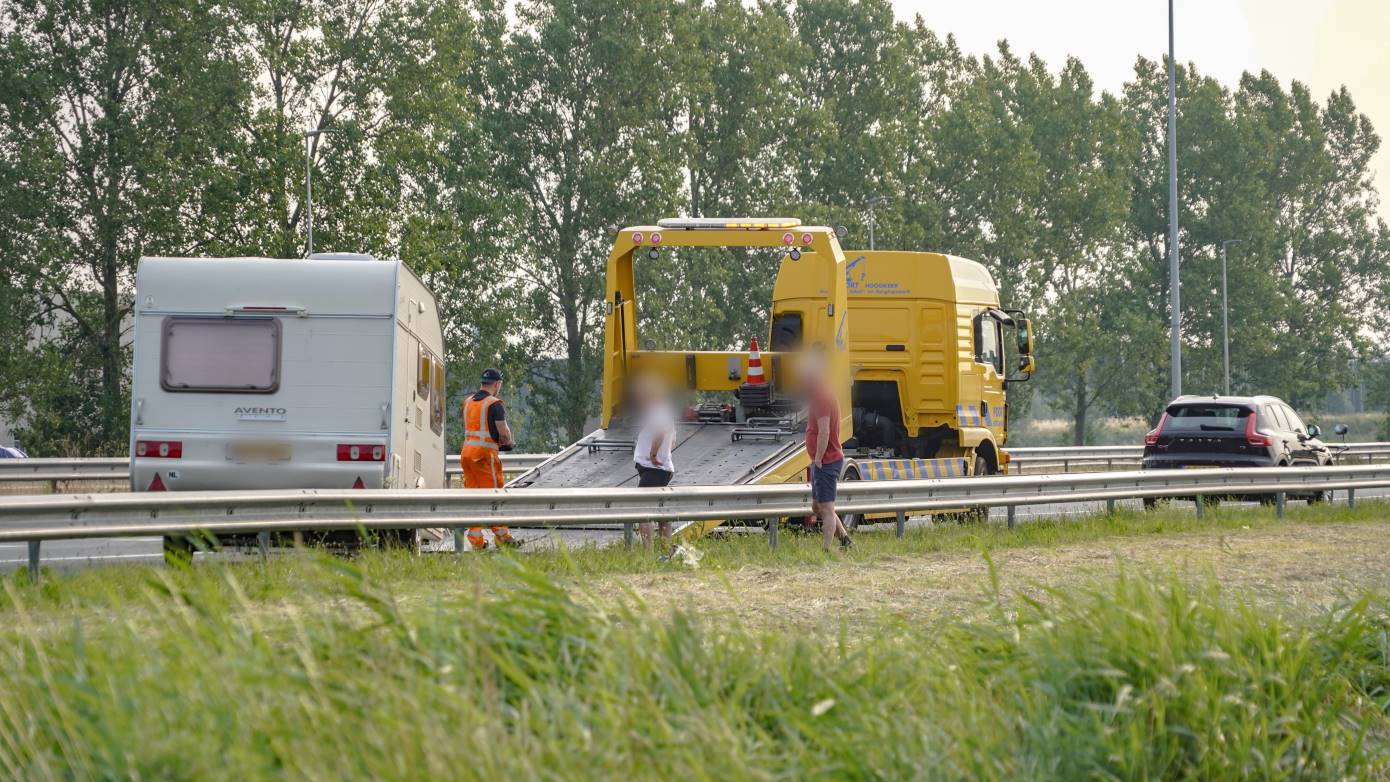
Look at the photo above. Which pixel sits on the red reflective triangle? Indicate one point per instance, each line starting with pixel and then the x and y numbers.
pixel 157 484
pixel 359 484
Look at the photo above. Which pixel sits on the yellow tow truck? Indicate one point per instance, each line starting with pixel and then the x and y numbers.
pixel 915 341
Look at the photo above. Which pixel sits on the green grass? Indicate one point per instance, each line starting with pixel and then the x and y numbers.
pixel 1124 679
pixel 487 667
pixel 287 578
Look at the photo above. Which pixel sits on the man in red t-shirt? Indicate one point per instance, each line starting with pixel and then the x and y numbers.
pixel 823 446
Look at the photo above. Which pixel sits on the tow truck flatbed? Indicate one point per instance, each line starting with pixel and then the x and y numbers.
pixel 705 454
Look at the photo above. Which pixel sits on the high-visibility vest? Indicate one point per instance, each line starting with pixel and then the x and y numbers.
pixel 477 434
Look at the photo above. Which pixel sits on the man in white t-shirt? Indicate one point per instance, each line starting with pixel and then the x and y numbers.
pixel 652 451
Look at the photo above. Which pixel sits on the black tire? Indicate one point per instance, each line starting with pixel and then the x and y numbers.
pixel 1270 500
pixel 850 520
pixel 1320 497
pixel 980 513
pixel 1154 503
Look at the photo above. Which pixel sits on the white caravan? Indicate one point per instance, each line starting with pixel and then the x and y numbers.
pixel 259 373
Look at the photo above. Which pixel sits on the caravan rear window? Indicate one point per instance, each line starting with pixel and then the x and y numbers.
pixel 229 355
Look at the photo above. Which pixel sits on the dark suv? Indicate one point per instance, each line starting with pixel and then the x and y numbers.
pixel 1232 431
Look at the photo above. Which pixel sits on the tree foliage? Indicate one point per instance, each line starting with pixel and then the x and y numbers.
pixel 496 147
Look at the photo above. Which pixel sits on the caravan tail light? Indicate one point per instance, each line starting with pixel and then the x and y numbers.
pixel 159 449
pixel 361 453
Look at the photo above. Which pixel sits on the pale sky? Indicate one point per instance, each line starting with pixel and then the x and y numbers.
pixel 1322 43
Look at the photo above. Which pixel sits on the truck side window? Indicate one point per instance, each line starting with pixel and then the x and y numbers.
pixel 437 398
pixel 786 331
pixel 987 343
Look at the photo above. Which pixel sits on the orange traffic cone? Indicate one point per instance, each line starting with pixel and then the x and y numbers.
pixel 755 366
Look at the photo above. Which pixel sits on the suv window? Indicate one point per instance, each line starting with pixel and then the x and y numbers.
pixel 1215 417
pixel 1295 423
pixel 1276 418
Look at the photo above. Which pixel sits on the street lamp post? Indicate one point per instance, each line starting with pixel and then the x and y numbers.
pixel 309 136
pixel 873 202
pixel 1225 319
pixel 1174 301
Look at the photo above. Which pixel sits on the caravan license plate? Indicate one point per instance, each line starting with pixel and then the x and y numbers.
pixel 255 451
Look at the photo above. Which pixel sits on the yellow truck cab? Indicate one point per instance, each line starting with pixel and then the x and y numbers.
pixel 926 340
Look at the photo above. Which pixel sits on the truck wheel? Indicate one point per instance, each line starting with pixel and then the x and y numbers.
pixel 980 513
pixel 851 520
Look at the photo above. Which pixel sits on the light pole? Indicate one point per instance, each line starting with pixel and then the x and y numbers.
pixel 309 136
pixel 1174 301
pixel 1225 319
pixel 877 201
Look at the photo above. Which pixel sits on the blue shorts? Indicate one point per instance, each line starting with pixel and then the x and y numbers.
pixel 825 478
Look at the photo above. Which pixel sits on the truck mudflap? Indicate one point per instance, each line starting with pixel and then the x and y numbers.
pixel 911 469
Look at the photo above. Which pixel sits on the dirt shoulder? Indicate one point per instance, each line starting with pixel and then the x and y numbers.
pixel 1300 566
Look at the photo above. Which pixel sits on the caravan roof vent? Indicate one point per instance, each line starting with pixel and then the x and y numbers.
pixel 342 257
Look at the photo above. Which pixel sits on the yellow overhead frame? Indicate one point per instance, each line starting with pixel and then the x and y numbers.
pixel 620 351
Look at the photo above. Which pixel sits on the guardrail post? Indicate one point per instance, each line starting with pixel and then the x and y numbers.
pixel 1201 506
pixel 772 525
pixel 1279 505
pixel 627 534
pixel 1351 498
pixel 902 523
pixel 1012 509
pixel 263 544
pixel 1110 507
pixel 460 544
pixel 33 561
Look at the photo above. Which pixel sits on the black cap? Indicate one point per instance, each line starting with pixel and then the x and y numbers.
pixel 492 375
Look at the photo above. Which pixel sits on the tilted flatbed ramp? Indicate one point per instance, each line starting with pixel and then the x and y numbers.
pixel 705 454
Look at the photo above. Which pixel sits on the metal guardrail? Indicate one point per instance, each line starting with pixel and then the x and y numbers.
pixel 117 468
pixel 37 518
pixel 1124 455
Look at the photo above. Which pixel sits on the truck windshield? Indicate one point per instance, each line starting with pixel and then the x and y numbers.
pixel 230 355
pixel 1207 418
